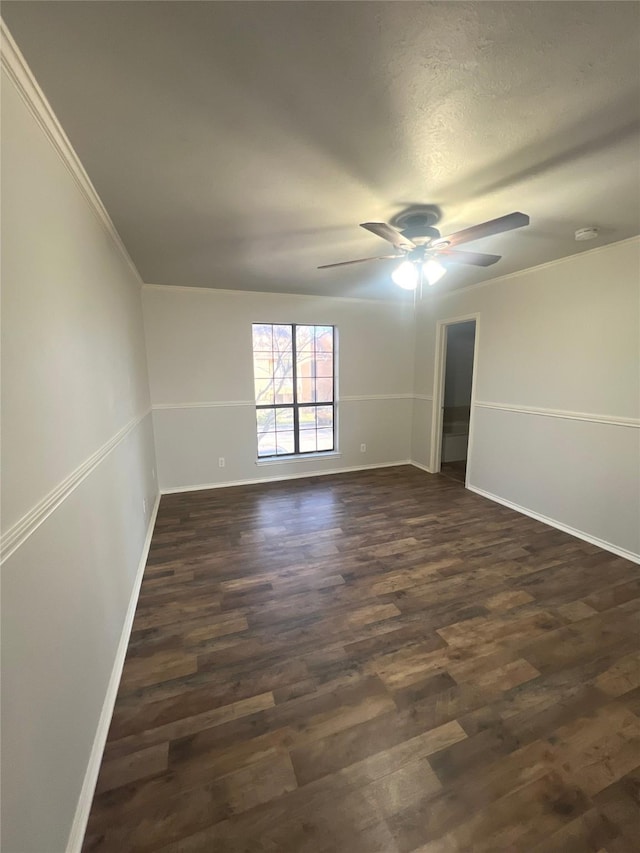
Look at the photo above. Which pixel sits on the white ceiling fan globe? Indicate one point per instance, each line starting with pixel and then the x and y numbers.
pixel 406 275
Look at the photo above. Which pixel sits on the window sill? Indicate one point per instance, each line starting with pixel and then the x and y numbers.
pixel 307 457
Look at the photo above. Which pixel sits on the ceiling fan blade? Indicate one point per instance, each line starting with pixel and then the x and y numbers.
pixel 387 232
pixel 358 261
pixel 486 229
pixel 476 259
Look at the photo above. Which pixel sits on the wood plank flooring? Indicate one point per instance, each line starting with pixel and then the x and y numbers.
pixel 454 470
pixel 377 662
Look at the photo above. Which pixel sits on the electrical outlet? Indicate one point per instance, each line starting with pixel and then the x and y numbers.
pixel 221 462
pixel 363 448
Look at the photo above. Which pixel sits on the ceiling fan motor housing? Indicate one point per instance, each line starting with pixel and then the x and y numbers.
pixel 421 233
pixel 417 224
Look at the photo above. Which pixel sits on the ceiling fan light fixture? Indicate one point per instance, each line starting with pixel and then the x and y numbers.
pixel 406 275
pixel 433 271
pixel 421 245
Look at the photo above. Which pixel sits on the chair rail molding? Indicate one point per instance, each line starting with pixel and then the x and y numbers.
pixel 612 420
pixel 213 404
pixel 19 532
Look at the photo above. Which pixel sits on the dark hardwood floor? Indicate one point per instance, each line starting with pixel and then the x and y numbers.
pixel 377 662
pixel 454 470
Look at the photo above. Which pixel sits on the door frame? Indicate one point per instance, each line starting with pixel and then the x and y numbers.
pixel 438 389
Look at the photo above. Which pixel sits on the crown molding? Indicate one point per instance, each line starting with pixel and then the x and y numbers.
pixel 177 288
pixel 442 294
pixel 14 64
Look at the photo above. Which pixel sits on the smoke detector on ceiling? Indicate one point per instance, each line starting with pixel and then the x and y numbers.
pixel 586 233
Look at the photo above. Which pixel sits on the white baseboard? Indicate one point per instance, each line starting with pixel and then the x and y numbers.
pixel 580 534
pixel 421 466
pixel 174 490
pixel 79 826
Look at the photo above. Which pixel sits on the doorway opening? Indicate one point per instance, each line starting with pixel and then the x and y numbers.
pixel 454 387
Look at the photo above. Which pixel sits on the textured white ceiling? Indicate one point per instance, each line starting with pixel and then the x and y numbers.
pixel 238 145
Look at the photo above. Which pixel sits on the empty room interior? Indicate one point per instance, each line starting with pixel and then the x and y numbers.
pixel 320 427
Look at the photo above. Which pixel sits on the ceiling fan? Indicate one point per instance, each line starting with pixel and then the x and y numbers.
pixel 422 248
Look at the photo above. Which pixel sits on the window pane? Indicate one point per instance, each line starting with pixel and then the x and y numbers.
pixel 308 443
pixel 324 364
pixel 305 364
pixel 285 442
pixel 266 420
pixel 262 337
pixel 267 444
pixel 324 415
pixel 304 338
pixel 264 391
pixel 307 417
pixel 324 339
pixel 282 364
pixel 284 419
pixel 325 439
pixel 324 390
pixel 262 366
pixel 282 339
pixel 284 390
pixel 306 390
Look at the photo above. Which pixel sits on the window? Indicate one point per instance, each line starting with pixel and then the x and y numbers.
pixel 293 368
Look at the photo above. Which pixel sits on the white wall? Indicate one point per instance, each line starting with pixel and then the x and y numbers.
pixel 78 485
pixel 555 421
pixel 201 374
